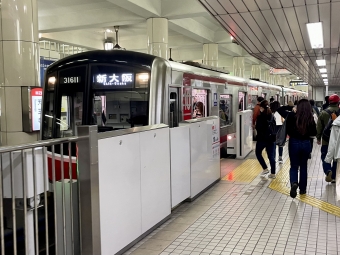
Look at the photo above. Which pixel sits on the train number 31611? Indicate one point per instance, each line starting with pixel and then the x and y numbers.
pixel 71 79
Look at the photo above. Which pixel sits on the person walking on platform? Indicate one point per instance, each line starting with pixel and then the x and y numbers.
pixel 325 115
pixel 314 108
pixel 300 126
pixel 279 121
pixel 326 104
pixel 256 111
pixel 333 152
pixel 264 139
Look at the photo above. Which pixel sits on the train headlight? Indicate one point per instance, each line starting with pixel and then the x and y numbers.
pixel 51 82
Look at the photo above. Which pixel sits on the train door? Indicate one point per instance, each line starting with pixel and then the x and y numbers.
pixel 173 107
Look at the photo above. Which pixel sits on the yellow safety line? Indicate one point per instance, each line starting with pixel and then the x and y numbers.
pixel 280 184
pixel 250 169
pixel 246 172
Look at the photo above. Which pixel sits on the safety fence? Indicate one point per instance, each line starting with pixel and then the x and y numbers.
pixel 39 198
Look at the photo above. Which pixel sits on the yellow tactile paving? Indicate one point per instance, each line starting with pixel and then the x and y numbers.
pixel 280 184
pixel 250 169
pixel 246 172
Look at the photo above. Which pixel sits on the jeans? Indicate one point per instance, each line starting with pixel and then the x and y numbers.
pixel 270 148
pixel 299 151
pixel 280 152
pixel 327 166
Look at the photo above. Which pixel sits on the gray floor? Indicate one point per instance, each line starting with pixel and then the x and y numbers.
pixel 238 218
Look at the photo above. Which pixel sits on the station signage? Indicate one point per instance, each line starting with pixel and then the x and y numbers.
pixel 123 80
pixel 36 99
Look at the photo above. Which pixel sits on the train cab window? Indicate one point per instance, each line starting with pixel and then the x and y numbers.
pixel 199 101
pixel 241 101
pixel 71 115
pixel 225 111
pixel 113 110
pixel 173 107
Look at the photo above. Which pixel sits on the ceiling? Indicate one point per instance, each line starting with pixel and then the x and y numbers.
pixel 275 32
pixel 83 22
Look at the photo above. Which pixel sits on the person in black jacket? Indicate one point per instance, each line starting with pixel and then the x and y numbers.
pixel 300 127
pixel 326 104
pixel 263 139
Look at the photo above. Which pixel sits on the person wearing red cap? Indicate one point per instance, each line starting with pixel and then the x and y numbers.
pixel 328 168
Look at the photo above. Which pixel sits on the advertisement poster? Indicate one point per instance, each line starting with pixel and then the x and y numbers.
pixel 36 100
pixel 199 103
pixel 44 63
pixel 215 142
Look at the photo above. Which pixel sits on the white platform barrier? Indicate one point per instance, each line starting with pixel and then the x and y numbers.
pixel 204 153
pixel 134 184
pixel 244 133
pixel 180 164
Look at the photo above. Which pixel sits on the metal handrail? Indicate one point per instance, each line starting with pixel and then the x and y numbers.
pixel 41 143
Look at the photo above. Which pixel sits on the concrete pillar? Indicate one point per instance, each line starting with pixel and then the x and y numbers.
pixel 157 32
pixel 210 54
pixel 255 72
pixel 238 66
pixel 19 66
pixel 271 79
pixel 326 90
pixel 265 75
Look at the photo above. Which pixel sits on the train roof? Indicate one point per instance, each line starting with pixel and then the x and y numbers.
pixel 103 56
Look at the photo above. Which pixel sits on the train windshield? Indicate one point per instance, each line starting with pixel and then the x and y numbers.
pixel 120 97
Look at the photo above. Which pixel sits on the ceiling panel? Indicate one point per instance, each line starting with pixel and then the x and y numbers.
pixel 251 5
pixel 274 4
pixel 228 6
pixel 248 18
pixel 271 21
pixel 299 2
pixel 286 3
pixel 275 32
pixel 263 4
pixel 215 5
pixel 239 5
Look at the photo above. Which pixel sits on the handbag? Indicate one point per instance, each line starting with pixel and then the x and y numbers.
pixel 281 135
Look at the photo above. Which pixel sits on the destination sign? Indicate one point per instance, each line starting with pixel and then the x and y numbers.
pixel 114 79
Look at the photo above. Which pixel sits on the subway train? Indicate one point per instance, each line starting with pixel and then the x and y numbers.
pixel 122 89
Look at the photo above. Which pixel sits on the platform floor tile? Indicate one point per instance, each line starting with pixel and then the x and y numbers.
pixel 253 216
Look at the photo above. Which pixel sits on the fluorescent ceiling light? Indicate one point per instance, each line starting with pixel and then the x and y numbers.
pixel 315 35
pixel 324 75
pixel 323 70
pixel 325 80
pixel 321 62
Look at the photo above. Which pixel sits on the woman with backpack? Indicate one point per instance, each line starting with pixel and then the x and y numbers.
pixel 300 126
pixel 266 138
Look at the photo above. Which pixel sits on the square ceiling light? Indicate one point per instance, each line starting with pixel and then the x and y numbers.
pixel 325 80
pixel 324 75
pixel 321 62
pixel 315 34
pixel 323 70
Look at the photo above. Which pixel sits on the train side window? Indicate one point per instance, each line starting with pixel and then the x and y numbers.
pixel 173 108
pixel 226 110
pixel 241 101
pixel 200 101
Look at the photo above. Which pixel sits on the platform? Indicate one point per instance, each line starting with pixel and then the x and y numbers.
pixel 244 214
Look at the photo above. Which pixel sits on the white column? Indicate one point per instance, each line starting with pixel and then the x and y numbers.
pixel 271 79
pixel 210 54
pixel 19 65
pixel 238 66
pixel 326 91
pixel 255 72
pixel 265 75
pixel 157 32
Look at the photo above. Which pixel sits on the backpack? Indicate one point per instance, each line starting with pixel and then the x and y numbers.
pixel 272 129
pixel 327 131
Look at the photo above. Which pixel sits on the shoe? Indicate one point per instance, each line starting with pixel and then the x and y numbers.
pixel 272 176
pixel 302 192
pixel 265 171
pixel 333 181
pixel 293 190
pixel 329 176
